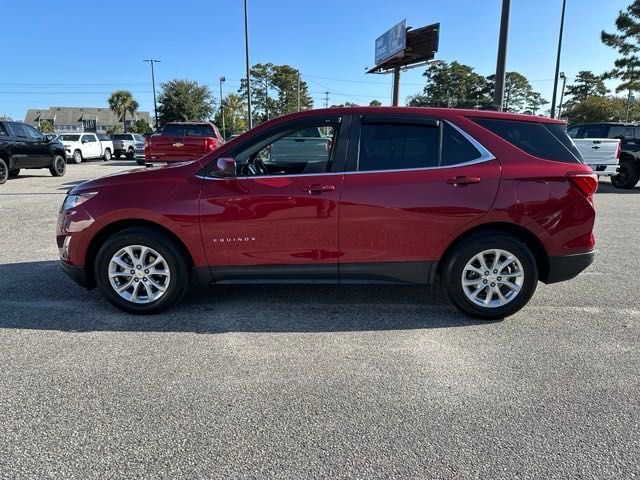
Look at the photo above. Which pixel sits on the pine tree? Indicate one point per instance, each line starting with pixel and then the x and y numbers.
pixel 627 43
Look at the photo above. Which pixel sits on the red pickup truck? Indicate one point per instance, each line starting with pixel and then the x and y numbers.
pixel 181 141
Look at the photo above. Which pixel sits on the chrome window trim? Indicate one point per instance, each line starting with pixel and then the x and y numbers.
pixel 485 156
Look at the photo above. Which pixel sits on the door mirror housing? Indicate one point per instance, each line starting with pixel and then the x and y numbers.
pixel 224 168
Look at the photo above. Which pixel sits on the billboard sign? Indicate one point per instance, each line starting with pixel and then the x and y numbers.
pixel 392 42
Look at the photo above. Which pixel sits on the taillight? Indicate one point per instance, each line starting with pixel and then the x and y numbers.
pixel 211 144
pixel 587 183
pixel 618 148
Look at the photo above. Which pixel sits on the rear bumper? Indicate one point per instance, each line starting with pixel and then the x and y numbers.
pixel 567 267
pixel 77 273
pixel 605 170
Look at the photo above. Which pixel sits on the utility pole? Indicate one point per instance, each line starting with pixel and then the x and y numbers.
pixel 224 136
pixel 298 90
pixel 555 79
pixel 266 97
pixel 564 83
pixel 326 99
pixel 151 61
pixel 246 54
pixel 498 96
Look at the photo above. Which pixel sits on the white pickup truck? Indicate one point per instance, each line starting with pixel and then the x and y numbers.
pixel 84 146
pixel 601 154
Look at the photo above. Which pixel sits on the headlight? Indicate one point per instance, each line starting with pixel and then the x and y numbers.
pixel 72 201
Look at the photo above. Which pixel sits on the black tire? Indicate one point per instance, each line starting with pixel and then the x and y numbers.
pixel 177 263
pixel 76 157
pixel 131 154
pixel 107 155
pixel 117 154
pixel 454 267
pixel 58 166
pixel 628 175
pixel 141 162
pixel 4 171
pixel 14 173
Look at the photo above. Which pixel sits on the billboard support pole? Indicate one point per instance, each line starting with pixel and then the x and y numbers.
pixel 396 86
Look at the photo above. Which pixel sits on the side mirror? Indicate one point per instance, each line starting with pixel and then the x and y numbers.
pixel 224 168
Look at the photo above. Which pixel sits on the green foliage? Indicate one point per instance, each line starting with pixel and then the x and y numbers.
pixel 140 126
pixel 627 43
pixel 601 109
pixel 184 101
pixel 274 91
pixel 114 129
pixel 121 102
pixel 518 93
pixel 375 103
pixel 234 116
pixel 533 102
pixel 452 85
pixel 586 84
pixel 45 126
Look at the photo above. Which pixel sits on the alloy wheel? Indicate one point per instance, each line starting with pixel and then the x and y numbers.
pixel 139 274
pixel 493 278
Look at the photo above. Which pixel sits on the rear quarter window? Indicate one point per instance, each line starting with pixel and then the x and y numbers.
pixel 3 131
pixel 547 141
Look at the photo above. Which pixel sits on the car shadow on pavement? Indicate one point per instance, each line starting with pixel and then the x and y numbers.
pixel 38 295
pixel 608 188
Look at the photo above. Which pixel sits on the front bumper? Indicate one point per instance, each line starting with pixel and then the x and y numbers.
pixel 566 267
pixel 77 272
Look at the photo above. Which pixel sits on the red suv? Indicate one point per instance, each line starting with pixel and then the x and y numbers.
pixel 488 202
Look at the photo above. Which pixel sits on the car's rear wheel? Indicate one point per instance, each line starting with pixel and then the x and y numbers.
pixel 628 175
pixel 142 271
pixel 14 173
pixel 4 171
pixel 107 155
pixel 490 275
pixel 141 161
pixel 77 157
pixel 131 154
pixel 58 166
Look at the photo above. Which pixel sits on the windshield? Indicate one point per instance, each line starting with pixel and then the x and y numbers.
pixel 69 138
pixel 121 136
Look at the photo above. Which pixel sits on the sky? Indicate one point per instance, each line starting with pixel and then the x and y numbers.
pixel 72 53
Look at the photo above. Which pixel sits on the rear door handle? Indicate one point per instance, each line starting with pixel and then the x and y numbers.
pixel 463 181
pixel 316 189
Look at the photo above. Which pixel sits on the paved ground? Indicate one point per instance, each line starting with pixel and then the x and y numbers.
pixel 314 382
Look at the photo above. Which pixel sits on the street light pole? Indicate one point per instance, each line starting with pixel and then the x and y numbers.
pixel 498 95
pixel 564 83
pixel 224 130
pixel 298 90
pixel 151 61
pixel 555 79
pixel 246 54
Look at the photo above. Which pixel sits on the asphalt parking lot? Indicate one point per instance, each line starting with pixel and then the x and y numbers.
pixel 313 382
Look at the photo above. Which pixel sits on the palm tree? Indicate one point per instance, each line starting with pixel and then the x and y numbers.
pixel 121 102
pixel 234 110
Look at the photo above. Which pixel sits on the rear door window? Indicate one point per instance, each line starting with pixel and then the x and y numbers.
pixel 188 131
pixel 547 141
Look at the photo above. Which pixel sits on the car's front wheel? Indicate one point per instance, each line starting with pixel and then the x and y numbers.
pixel 58 166
pixel 107 155
pixel 490 275
pixel 4 171
pixel 77 157
pixel 142 271
pixel 131 154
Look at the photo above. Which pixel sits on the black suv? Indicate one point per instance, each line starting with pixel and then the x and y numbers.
pixel 629 135
pixel 22 146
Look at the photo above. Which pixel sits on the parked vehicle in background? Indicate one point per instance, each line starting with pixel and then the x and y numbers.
pixel 629 135
pixel 179 141
pixel 490 202
pixel 304 151
pixel 601 154
pixel 24 147
pixel 131 145
pixel 86 146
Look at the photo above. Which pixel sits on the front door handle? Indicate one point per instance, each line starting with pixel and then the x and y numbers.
pixel 596 147
pixel 463 181
pixel 316 189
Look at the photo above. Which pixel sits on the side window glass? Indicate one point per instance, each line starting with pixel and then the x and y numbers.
pixel 3 131
pixel 456 148
pixel 573 132
pixel 19 131
pixel 398 146
pixel 33 133
pixel 290 153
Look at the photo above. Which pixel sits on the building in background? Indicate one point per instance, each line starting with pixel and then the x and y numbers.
pixel 81 119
